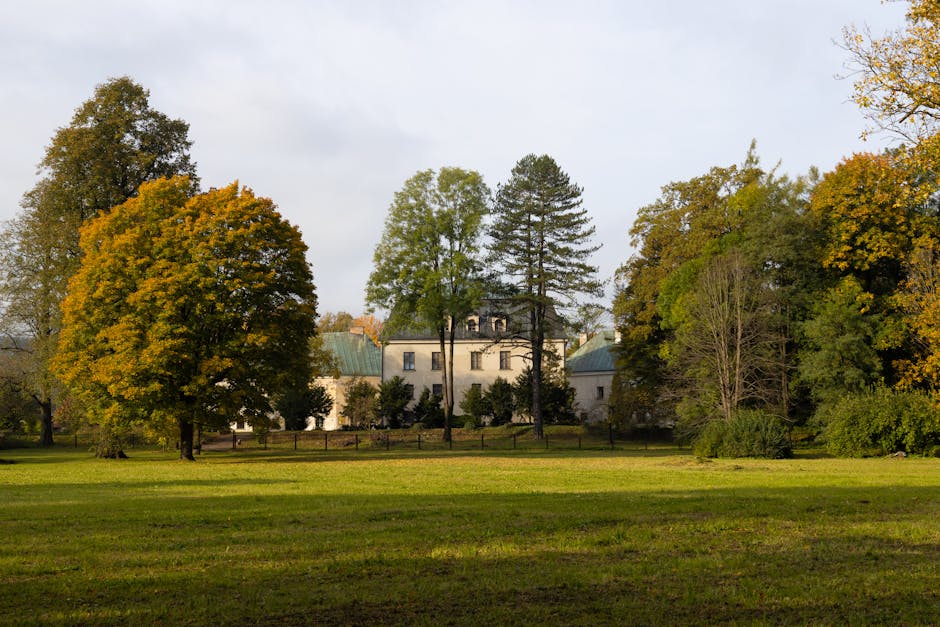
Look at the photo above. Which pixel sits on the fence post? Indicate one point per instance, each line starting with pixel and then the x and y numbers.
pixel 546 439
pixel 450 442
pixel 326 440
pixel 388 442
pixel 610 434
pixel 234 440
pixel 76 440
pixel 579 442
pixel 264 441
pixel 513 441
pixel 295 441
pixel 419 441
pixel 357 441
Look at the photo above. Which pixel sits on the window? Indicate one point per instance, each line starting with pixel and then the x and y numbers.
pixel 600 392
pixel 409 361
pixel 504 360
pixel 471 326
pixel 411 390
pixel 476 361
pixel 437 389
pixel 499 326
pixel 477 386
pixel 436 360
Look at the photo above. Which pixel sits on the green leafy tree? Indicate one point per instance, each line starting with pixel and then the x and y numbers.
pixel 114 142
pixel 540 241
pixel 474 405
pixel 186 312
pixel 361 403
pixel 332 322
pixel 394 396
pixel 839 348
pixel 298 404
pixel 500 404
pixel 427 410
pixel 725 340
pixel 428 266
pixel 556 395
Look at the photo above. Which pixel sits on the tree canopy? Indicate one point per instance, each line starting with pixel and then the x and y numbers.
pixel 186 311
pixel 114 142
pixel 428 264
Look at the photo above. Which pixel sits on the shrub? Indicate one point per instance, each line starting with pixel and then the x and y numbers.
pixel 428 411
pixel 881 421
pixel 749 433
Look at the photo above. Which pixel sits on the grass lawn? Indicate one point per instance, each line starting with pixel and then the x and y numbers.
pixel 506 537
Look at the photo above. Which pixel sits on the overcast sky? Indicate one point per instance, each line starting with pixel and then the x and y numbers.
pixel 327 107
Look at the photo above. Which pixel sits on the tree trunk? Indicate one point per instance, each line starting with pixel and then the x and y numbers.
pixel 446 387
pixel 186 439
pixel 537 348
pixel 45 434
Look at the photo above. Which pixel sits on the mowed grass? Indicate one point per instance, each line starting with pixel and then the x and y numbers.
pixel 466 538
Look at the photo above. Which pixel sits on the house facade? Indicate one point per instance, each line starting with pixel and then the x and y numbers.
pixel 486 346
pixel 591 374
pixel 356 357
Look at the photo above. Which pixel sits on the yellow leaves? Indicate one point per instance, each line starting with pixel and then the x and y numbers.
pixel 179 294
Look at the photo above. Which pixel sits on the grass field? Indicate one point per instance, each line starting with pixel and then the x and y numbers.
pixel 508 537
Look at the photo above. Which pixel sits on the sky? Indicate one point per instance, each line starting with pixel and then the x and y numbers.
pixel 328 107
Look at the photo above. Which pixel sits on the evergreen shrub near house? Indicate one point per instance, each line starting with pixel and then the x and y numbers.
pixel 428 412
pixel 749 433
pixel 499 401
pixel 882 421
pixel 474 407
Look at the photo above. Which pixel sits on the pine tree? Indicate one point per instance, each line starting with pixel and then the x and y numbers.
pixel 541 241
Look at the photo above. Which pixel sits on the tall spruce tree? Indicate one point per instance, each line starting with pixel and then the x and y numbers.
pixel 115 142
pixel 541 241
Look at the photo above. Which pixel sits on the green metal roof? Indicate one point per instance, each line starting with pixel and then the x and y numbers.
pixel 595 355
pixel 355 353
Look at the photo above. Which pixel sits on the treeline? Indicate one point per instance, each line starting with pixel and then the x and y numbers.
pixel 759 299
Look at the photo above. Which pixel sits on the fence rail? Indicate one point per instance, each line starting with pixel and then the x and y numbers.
pixel 432 440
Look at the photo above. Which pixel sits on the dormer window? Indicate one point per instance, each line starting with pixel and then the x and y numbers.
pixel 472 325
pixel 499 326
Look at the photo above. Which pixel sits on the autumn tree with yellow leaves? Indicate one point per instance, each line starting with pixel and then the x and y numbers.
pixel 186 311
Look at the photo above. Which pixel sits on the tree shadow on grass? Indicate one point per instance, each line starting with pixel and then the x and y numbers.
pixel 827 555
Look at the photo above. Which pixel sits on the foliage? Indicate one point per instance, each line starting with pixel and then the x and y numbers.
pixel 896 79
pixel 334 322
pixel 371 326
pixel 187 311
pixel 881 421
pixel 733 230
pixel 839 353
pixel 17 411
pixel 499 402
pixel 748 433
pixel 557 397
pixel 298 404
pixel 394 396
pixel 428 267
pixel 725 341
pixel 540 241
pixel 919 299
pixel 361 403
pixel 870 208
pixel 427 410
pixel 474 405
pixel 115 142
